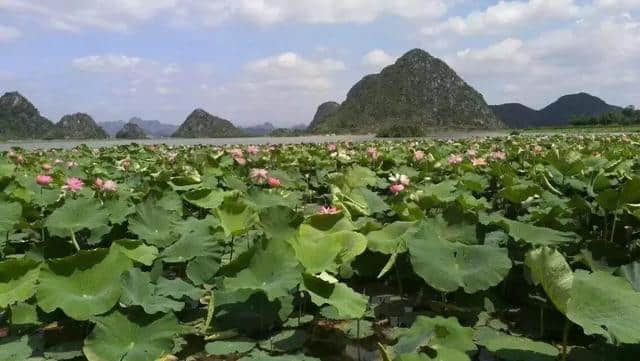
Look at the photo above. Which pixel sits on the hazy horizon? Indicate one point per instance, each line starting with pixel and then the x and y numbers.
pixel 272 61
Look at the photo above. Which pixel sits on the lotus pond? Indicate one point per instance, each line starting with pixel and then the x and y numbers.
pixel 514 248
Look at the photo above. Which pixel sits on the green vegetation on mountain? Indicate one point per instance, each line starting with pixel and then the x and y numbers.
pixel 628 116
pixel 200 124
pixel 77 126
pixel 19 119
pixel 558 113
pixel 131 131
pixel 418 90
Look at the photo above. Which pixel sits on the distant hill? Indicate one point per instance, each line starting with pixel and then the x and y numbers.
pixel 131 131
pixel 558 113
pixel 324 110
pixel 259 130
pixel 200 124
pixel 19 119
pixel 418 90
pixel 77 126
pixel 153 128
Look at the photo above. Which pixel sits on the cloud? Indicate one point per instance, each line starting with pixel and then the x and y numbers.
pixel 598 55
pixel 123 15
pixel 107 63
pixel 506 16
pixel 377 59
pixel 9 34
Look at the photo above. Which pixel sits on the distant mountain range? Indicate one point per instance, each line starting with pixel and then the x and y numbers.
pixel 419 90
pixel 558 113
pixel 200 124
pixel 153 128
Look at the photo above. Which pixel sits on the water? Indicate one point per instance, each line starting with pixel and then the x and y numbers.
pixel 67 144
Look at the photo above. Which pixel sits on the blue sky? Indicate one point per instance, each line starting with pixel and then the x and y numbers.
pixel 253 61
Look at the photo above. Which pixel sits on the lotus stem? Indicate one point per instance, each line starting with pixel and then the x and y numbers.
pixel 565 337
pixel 210 311
pixel 73 240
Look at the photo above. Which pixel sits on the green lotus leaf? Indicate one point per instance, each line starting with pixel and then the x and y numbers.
pixel 320 251
pixel 513 348
pixel 201 269
pixel 286 341
pixel 475 182
pixel 18 277
pixel 16 349
pixel 153 224
pixel 348 303
pixel 250 311
pixel 136 250
pixel 447 265
pixel 261 200
pixel 263 356
pixel 631 272
pixel 549 268
pixel 196 239
pixel 6 168
pixel 131 338
pixel 606 305
pixel 279 222
pixel 206 198
pixel 357 329
pixel 533 235
pixel 137 290
pixel 177 289
pixel 359 177
pixel 445 336
pixel 366 202
pixel 229 347
pixel 236 216
pixel 82 285
pixel 330 223
pixel 392 238
pixel 119 209
pixel 24 314
pixel 11 214
pixel 273 270
pixel 75 215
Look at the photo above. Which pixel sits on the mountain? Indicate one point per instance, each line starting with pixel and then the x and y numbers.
pixel 20 119
pixel 153 128
pixel 77 126
pixel 201 124
pixel 259 130
pixel 418 90
pixel 131 131
pixel 324 110
pixel 516 115
pixel 558 113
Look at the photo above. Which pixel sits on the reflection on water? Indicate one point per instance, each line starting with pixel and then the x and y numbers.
pixel 66 144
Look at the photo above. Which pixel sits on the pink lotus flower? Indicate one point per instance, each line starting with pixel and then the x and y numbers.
pixel 240 160
pixel 259 175
pixel 253 150
pixel 396 188
pixel 19 159
pixel 57 161
pixel 71 164
pixel 73 184
pixel 472 153
pixel 274 182
pixel 418 155
pixel 44 180
pixel 125 163
pixel 329 210
pixel 109 186
pixel 98 183
pixel 454 159
pixel 332 147
pixel 236 153
pixel 400 178
pixel 537 149
pixel 498 155
pixel 46 167
pixel 477 162
pixel 372 152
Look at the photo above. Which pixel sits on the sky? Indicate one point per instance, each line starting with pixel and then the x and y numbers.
pixel 256 61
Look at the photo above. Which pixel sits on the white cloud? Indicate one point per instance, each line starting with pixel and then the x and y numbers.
pixel 9 34
pixel 617 4
pixel 122 15
pixel 377 59
pixel 107 63
pixel 505 16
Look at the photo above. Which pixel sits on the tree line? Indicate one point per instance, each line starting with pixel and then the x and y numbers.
pixel 627 116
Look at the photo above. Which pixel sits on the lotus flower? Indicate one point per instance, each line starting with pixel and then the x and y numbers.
pixel 498 155
pixel 73 184
pixel 400 178
pixel 46 167
pixel 240 160
pixel 477 162
pixel 332 147
pixel 329 210
pixel 418 155
pixel 372 152
pixel 44 180
pixel 454 159
pixel 236 153
pixel 109 186
pixel 274 182
pixel 259 175
pixel 472 153
pixel 253 150
pixel 396 188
